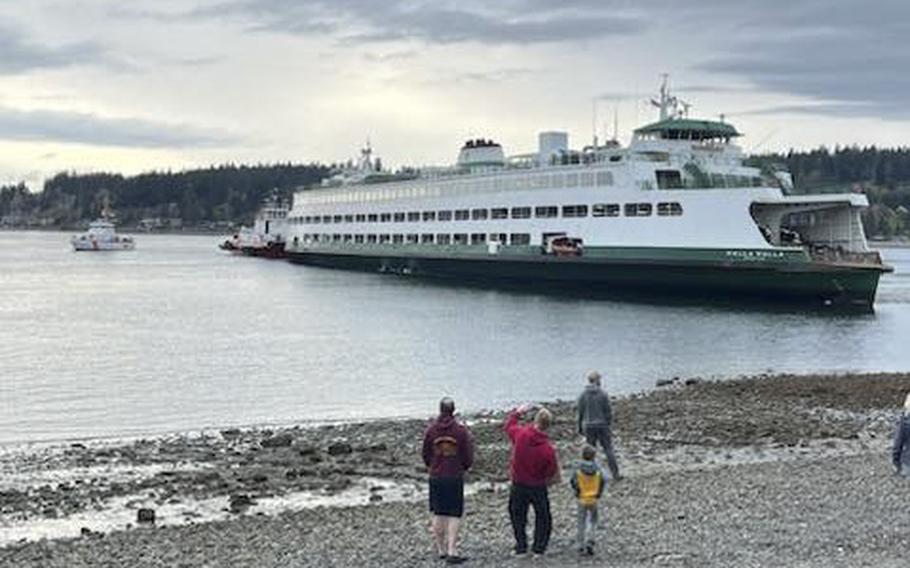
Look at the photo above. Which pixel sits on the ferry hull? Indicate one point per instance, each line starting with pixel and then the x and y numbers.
pixel 810 284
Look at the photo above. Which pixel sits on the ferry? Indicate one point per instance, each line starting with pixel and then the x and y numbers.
pixel 266 238
pixel 101 236
pixel 677 211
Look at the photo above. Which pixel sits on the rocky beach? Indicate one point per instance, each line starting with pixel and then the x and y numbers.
pixel 760 471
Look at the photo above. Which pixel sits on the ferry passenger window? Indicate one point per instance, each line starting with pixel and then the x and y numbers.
pixel 360 217
pixel 397 239
pixel 444 216
pixel 571 180
pixel 478 238
pixel 385 217
pixel 358 239
pixel 308 219
pixel 462 214
pixel 499 213
pixel 547 211
pixel 499 238
pixel 443 239
pixel 519 239
pixel 557 180
pixel 521 212
pixel 372 218
pixel 384 238
pixel 604 178
pixel 663 209
pixel 399 217
pixel 479 214
pixel 587 179
pixel 460 238
pixel 429 215
pixel 414 216
pixel 412 238
pixel 574 210
pixel 336 238
pixel 717 180
pixel 348 218
pixel 638 209
pixel 372 239
pixel 337 219
pixel 348 238
pixel 669 179
pixel 326 218
pixel 426 239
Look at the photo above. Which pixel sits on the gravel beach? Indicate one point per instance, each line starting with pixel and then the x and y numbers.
pixel 762 471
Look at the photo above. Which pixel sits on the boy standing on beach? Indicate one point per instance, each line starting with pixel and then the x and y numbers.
pixel 589 483
pixel 448 453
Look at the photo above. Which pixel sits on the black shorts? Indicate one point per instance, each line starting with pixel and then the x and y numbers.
pixel 447 496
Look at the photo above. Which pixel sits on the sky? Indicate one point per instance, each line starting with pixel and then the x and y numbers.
pixel 93 85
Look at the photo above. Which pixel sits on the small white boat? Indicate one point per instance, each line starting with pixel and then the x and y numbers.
pixel 102 236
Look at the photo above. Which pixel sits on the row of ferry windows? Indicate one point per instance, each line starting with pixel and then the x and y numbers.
pixel 664 209
pixel 424 239
pixel 503 183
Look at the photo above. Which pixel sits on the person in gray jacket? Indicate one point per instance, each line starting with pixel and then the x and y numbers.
pixel 900 453
pixel 595 420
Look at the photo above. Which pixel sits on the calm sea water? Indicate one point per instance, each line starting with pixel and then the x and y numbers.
pixel 177 336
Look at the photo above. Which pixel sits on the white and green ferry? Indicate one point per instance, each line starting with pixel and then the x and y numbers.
pixel 675 212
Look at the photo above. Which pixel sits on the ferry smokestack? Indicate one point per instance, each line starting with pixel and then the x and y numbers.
pixel 549 144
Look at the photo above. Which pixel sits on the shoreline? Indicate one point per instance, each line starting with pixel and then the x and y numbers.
pixel 701 436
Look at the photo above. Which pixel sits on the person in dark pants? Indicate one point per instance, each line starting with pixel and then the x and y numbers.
pixel 595 419
pixel 532 468
pixel 448 453
pixel 900 453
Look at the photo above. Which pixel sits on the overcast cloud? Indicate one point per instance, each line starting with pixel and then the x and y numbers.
pixel 310 79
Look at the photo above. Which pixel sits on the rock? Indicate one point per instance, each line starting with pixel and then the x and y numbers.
pixel 85 531
pixel 145 516
pixel 666 382
pixel 375 498
pixel 282 440
pixel 693 381
pixel 307 450
pixel 339 448
pixel 240 502
pixel 230 433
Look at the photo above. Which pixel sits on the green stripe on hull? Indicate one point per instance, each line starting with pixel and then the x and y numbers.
pixel 692 275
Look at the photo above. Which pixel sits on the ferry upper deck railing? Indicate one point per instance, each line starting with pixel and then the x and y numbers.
pixel 838 255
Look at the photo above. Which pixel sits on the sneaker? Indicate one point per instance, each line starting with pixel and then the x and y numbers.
pixel 443 556
pixel 518 552
pixel 456 559
pixel 589 550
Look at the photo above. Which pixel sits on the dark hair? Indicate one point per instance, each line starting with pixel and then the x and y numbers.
pixel 447 406
pixel 588 452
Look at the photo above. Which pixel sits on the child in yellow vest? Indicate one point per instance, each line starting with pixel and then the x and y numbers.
pixel 589 482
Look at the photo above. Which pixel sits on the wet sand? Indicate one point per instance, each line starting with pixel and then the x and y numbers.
pixel 765 471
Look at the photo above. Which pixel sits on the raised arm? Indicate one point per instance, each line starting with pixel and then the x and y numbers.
pixel 511 424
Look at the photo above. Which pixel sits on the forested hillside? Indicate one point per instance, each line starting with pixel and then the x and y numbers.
pixel 211 197
pixel 217 196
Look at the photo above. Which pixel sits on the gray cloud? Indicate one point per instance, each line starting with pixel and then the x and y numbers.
pixel 84 128
pixel 848 56
pixel 19 55
pixel 358 21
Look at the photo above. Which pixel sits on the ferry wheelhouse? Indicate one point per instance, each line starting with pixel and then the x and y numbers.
pixel 677 211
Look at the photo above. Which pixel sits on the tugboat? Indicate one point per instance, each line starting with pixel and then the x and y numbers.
pixel 102 236
pixel 266 237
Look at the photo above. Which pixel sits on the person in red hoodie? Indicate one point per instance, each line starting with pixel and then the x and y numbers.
pixel 448 453
pixel 532 468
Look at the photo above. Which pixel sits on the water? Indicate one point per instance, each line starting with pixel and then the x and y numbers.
pixel 177 336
